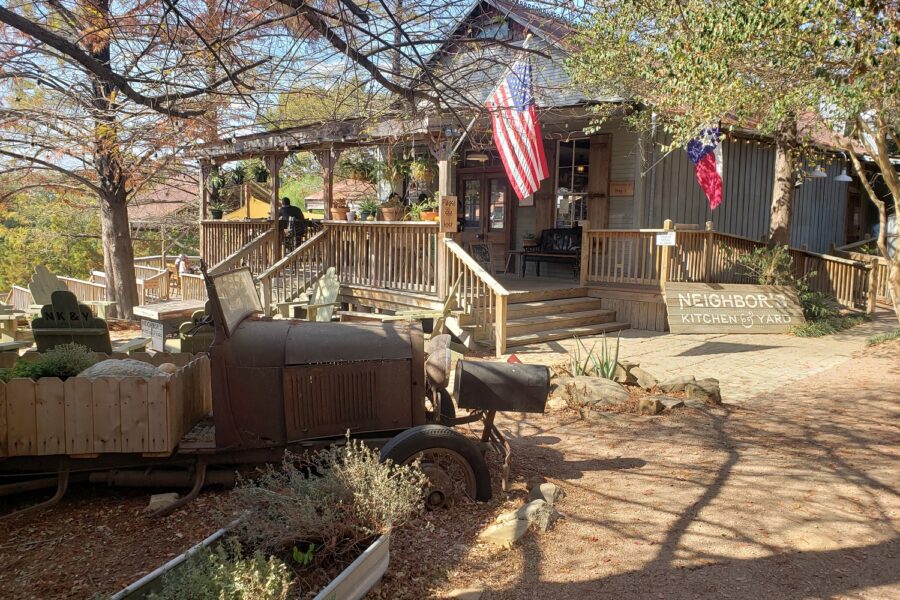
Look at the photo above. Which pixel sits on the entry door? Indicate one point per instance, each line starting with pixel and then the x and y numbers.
pixel 485 212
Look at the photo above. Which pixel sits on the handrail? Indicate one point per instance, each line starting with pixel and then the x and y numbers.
pixel 247 253
pixel 470 262
pixel 288 257
pixel 296 271
pixel 478 294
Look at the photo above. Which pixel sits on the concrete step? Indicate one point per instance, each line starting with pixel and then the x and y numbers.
pixel 561 334
pixel 553 307
pixel 562 320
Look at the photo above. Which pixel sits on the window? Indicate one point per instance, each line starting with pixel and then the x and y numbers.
pixel 572 164
pixel 471 203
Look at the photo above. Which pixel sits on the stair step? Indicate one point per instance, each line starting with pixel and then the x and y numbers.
pixel 551 294
pixel 561 334
pixel 553 307
pixel 522 326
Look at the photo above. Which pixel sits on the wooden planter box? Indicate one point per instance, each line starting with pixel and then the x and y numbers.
pixel 84 418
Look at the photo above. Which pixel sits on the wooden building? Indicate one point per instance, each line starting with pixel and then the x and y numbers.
pixel 615 183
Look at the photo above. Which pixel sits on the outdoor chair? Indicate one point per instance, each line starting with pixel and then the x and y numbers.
pixel 319 306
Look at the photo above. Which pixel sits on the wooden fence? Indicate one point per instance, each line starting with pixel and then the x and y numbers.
pixel 632 258
pixel 193 287
pixel 293 274
pixel 259 254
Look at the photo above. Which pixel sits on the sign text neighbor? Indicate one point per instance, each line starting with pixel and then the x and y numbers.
pixel 732 308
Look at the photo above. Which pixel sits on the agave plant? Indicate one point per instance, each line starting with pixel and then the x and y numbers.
pixel 603 365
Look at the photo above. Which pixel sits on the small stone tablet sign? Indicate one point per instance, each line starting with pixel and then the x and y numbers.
pixel 732 308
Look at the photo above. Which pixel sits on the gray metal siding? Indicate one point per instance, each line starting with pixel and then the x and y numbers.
pixel 748 171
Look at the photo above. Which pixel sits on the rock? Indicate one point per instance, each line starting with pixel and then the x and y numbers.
pixel 527 512
pixel 556 401
pixel 466 594
pixel 623 375
pixel 643 378
pixel 167 368
pixel 548 492
pixel 534 481
pixel 706 390
pixel 676 385
pixel 628 364
pixel 505 534
pixel 694 403
pixel 160 501
pixel 671 402
pixel 650 405
pixel 114 367
pixel 591 390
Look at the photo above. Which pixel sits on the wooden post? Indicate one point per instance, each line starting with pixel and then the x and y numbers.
pixel 872 294
pixel 273 164
pixel 327 159
pixel 442 151
pixel 664 266
pixel 707 253
pixel 205 170
pixel 586 250
pixel 500 324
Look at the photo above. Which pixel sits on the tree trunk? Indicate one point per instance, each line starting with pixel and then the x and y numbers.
pixel 118 254
pixel 783 190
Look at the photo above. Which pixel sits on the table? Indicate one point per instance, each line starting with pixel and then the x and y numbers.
pixel 163 318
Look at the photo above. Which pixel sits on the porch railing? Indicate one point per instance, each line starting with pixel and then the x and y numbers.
pixel 293 274
pixel 259 254
pixel 478 294
pixel 19 297
pixel 631 257
pixel 193 287
pixel 396 256
pixel 221 239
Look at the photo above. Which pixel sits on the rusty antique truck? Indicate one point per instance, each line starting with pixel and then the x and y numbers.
pixel 278 384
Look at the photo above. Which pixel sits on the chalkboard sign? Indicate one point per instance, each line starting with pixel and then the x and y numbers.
pixel 731 308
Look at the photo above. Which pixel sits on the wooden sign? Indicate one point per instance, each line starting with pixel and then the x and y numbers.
pixel 449 223
pixel 731 308
pixel 621 188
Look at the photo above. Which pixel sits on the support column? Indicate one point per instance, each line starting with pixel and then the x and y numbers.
pixel 442 150
pixel 205 171
pixel 327 159
pixel 273 165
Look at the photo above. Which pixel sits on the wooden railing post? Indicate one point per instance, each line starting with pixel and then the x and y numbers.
pixel 707 253
pixel 586 250
pixel 500 324
pixel 872 292
pixel 664 266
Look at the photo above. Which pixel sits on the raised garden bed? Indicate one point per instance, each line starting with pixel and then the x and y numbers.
pixel 87 417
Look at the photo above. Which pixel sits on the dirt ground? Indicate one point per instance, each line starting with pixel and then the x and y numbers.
pixel 794 494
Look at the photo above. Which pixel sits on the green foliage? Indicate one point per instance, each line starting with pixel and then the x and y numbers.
pixel 602 365
pixel 256 170
pixel 414 213
pixel 304 558
pixel 225 573
pixel 335 498
pixel 768 265
pixel 360 166
pixel 63 361
pixel 56 229
pixel 345 99
pixel 297 189
pixel 368 205
pixel 828 326
pixel 881 338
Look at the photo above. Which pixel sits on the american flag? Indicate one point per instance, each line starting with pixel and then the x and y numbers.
pixel 517 133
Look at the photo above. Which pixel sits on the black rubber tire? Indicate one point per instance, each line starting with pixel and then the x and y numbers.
pixel 448 409
pixel 424 437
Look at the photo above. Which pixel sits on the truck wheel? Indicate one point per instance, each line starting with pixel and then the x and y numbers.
pixel 452 463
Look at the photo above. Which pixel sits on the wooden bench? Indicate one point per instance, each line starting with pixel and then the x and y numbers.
pixel 561 245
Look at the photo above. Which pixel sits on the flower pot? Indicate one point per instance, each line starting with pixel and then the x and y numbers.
pixel 216 213
pixel 392 214
pixel 364 215
pixel 429 215
pixel 351 216
pixel 339 214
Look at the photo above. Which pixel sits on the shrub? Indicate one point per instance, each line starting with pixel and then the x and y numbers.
pixel 603 365
pixel 224 573
pixel 768 265
pixel 66 360
pixel 883 337
pixel 335 498
pixel 828 326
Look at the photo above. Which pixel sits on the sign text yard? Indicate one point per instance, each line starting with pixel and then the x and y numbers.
pixel 731 308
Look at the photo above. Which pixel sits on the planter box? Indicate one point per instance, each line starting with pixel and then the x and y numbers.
pixel 352 583
pixel 85 417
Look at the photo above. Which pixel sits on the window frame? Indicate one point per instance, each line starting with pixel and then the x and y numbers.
pixel 571 195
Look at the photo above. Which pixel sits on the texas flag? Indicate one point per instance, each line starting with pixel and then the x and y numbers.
pixel 706 154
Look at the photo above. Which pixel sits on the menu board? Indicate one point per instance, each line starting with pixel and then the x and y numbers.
pixel 237 296
pixel 449 222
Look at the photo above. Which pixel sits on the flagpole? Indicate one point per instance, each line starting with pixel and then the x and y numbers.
pixel 465 132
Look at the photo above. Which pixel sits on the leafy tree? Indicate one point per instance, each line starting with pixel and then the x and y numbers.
pixel 790 68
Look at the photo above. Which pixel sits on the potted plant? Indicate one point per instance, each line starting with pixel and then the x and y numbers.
pixel 368 208
pixel 339 209
pixel 216 209
pixel 258 172
pixel 530 241
pixel 237 175
pixel 392 209
pixel 422 169
pixel 429 208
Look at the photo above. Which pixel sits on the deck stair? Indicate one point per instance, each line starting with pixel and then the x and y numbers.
pixel 546 315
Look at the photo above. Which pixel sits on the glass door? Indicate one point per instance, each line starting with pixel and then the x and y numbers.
pixel 484 209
